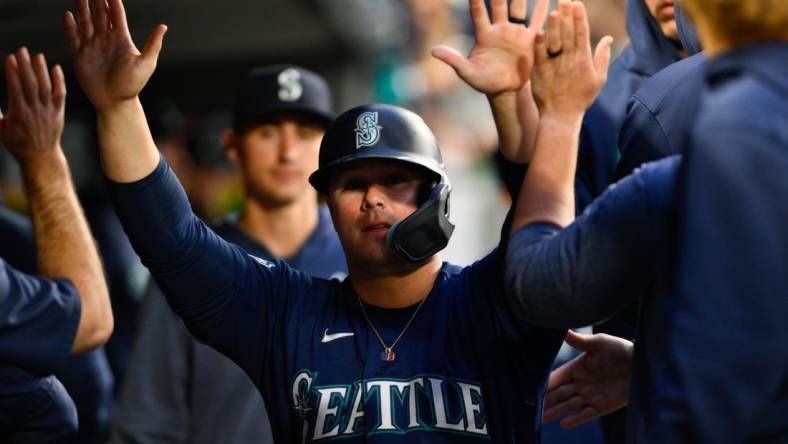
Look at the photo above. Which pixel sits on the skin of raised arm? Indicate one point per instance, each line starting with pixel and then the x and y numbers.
pixel 31 131
pixel 500 66
pixel 112 72
pixel 564 86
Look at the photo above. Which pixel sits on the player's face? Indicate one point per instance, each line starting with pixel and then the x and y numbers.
pixel 365 201
pixel 276 159
pixel 663 12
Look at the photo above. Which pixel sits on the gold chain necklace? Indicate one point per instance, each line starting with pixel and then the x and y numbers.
pixel 387 354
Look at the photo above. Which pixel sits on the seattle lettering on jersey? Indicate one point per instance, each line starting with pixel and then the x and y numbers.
pixel 377 405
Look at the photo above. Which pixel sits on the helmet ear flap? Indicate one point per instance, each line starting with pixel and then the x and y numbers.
pixel 426 231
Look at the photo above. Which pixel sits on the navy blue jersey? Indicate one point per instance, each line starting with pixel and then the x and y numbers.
pixel 34 410
pixel 467 370
pixel 188 392
pixel 729 332
pixel 38 320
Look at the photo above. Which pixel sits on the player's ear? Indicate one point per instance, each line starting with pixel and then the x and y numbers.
pixel 230 143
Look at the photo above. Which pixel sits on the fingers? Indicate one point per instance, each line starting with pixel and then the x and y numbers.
pixel 562 375
pixel 14 85
pixel 585 415
pixel 584 342
pixel 517 9
pixel 553 32
pixel 117 14
pixel 26 75
pixel 539 14
pixel 571 405
pixel 499 11
pixel 150 53
pixel 567 26
pixel 100 17
pixel 582 32
pixel 72 33
pixel 451 57
pixel 479 16
pixel 83 19
pixel 602 57
pixel 42 77
pixel 58 86
pixel 540 48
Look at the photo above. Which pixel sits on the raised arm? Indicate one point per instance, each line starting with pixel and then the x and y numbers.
pixel 112 72
pixel 31 131
pixel 567 78
pixel 500 66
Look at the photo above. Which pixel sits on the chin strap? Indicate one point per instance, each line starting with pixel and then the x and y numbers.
pixel 426 231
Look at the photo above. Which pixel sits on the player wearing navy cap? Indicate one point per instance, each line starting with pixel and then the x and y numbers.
pixel 44 319
pixel 407 348
pixel 178 390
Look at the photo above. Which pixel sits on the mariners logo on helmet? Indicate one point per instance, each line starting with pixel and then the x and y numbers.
pixel 367 129
pixel 290 88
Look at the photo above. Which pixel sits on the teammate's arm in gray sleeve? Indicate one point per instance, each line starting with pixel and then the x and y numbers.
pixel 596 266
pixel 153 406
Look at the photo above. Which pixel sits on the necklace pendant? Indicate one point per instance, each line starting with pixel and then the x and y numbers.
pixel 387 355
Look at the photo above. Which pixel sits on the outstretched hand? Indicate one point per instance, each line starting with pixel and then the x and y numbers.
pixel 33 123
pixel 593 384
pixel 109 67
pixel 503 57
pixel 567 75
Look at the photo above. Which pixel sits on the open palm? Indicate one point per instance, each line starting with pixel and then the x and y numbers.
pixel 502 59
pixel 108 65
pixel 591 385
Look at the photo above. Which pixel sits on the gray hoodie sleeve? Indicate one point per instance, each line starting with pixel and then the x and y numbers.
pixel 603 261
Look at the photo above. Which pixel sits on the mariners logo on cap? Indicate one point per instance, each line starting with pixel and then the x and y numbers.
pixel 367 129
pixel 290 88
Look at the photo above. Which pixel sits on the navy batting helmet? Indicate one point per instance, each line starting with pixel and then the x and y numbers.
pixel 391 133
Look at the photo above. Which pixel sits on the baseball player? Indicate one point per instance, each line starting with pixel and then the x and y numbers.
pixel 407 348
pixel 714 270
pixel 44 319
pixel 178 390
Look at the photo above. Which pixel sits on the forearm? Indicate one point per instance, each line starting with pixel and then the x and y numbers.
pixel 65 246
pixel 127 150
pixel 516 119
pixel 547 193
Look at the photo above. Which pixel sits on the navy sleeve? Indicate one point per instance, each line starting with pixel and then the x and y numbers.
pixel 39 318
pixel 730 332
pixel 600 263
pixel 228 299
pixel 642 139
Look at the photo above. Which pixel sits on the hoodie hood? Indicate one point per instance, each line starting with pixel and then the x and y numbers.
pixel 687 35
pixel 652 50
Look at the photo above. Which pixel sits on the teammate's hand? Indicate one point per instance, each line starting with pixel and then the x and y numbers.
pixel 593 384
pixel 567 76
pixel 503 57
pixel 32 127
pixel 109 67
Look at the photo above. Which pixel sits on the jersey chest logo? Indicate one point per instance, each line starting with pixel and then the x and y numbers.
pixel 422 403
pixel 367 129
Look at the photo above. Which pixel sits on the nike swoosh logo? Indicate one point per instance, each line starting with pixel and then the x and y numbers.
pixel 331 337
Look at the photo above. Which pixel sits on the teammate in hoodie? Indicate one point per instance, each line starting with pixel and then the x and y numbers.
pixel 359 382
pixel 65 310
pixel 654 44
pixel 178 390
pixel 703 325
pixel 661 113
